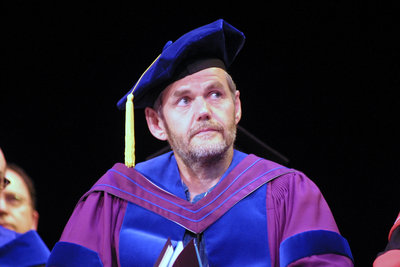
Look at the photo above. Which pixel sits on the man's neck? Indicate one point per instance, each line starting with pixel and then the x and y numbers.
pixel 199 177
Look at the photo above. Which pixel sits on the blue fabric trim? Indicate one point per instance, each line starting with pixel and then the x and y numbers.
pixel 182 207
pixel 66 254
pixel 163 171
pixel 310 243
pixel 230 241
pixel 26 249
pixel 143 235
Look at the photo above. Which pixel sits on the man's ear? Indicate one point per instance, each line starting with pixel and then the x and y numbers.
pixel 155 124
pixel 238 107
pixel 35 220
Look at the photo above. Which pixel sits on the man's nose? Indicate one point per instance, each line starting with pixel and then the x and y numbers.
pixel 203 110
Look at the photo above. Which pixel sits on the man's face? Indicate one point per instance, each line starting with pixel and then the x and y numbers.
pixel 199 115
pixel 16 211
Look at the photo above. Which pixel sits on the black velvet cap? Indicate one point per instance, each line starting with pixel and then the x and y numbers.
pixel 217 40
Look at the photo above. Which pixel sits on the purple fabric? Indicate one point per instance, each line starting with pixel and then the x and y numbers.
pixel 331 260
pixel 95 224
pixel 294 205
pixel 249 174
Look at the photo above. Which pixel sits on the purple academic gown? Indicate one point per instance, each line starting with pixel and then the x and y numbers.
pixel 259 214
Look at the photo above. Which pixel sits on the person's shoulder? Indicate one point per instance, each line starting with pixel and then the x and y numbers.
pixel 156 166
pixel 287 173
pixel 287 179
pixel 283 177
pixel 273 165
pixel 160 159
pixel 292 178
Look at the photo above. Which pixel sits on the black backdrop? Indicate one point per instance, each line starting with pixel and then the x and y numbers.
pixel 317 80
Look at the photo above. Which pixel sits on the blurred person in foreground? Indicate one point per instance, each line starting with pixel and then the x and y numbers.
pixel 20 244
pixel 235 209
pixel 18 201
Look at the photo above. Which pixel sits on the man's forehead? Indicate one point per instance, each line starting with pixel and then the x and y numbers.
pixel 200 80
pixel 17 182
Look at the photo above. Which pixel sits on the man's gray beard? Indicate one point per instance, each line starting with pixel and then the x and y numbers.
pixel 203 155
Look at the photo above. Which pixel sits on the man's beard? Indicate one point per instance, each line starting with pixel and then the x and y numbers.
pixel 204 153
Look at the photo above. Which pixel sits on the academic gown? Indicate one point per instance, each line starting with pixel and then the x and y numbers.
pixel 26 249
pixel 259 214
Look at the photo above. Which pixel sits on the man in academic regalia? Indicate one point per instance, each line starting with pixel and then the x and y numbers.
pixel 238 209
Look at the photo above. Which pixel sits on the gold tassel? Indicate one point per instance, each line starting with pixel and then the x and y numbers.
pixel 130 125
pixel 129 133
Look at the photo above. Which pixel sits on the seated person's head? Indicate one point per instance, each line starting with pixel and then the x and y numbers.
pixel 17 201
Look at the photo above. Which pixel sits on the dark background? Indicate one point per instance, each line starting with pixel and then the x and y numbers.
pixel 318 82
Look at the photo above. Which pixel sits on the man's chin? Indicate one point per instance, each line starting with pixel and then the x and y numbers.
pixel 208 151
pixel 207 140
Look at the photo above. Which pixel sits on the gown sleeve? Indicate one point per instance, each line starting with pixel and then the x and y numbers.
pixel 91 235
pixel 301 227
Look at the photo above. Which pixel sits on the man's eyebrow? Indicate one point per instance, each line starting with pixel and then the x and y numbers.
pixel 214 84
pixel 181 92
pixel 184 90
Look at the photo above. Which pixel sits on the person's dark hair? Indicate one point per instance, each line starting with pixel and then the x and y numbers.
pixel 27 179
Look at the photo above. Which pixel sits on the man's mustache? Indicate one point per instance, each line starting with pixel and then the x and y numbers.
pixel 209 125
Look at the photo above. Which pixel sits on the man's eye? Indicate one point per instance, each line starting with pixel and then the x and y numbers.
pixel 183 101
pixel 13 199
pixel 215 94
